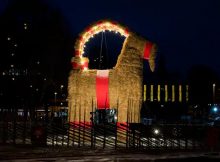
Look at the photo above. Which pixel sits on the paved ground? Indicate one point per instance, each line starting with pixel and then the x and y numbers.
pixel 55 154
pixel 122 158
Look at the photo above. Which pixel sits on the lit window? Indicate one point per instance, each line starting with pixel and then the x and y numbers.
pixel 12 66
pixel 8 38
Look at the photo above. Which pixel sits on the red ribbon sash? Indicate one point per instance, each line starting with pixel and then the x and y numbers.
pixel 147 50
pixel 102 89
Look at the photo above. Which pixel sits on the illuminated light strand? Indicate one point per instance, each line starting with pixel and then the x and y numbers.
pixel 101 26
pixel 78 61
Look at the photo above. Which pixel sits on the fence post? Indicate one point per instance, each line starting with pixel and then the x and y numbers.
pixel 5 128
pixel 104 140
pixel 92 126
pixel 116 126
pixel 14 126
pixel 84 128
pixel 79 126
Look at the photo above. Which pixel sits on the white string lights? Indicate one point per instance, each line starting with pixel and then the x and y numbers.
pixel 100 26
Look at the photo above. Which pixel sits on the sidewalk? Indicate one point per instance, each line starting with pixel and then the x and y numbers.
pixel 29 153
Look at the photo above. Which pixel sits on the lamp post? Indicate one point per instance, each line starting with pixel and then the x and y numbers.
pixel 213 92
pixel 55 102
pixel 61 90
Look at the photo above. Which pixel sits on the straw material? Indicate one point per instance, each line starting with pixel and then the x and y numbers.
pixel 125 84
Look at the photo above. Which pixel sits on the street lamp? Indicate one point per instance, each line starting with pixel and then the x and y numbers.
pixel 215 109
pixel 61 89
pixel 55 98
pixel 156 131
pixel 55 101
pixel 213 92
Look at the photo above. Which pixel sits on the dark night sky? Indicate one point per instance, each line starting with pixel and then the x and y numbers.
pixel 187 32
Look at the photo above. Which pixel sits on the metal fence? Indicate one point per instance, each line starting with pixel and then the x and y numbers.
pixel 14 130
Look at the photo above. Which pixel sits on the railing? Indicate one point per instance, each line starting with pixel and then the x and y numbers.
pixel 133 136
pixel 48 132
